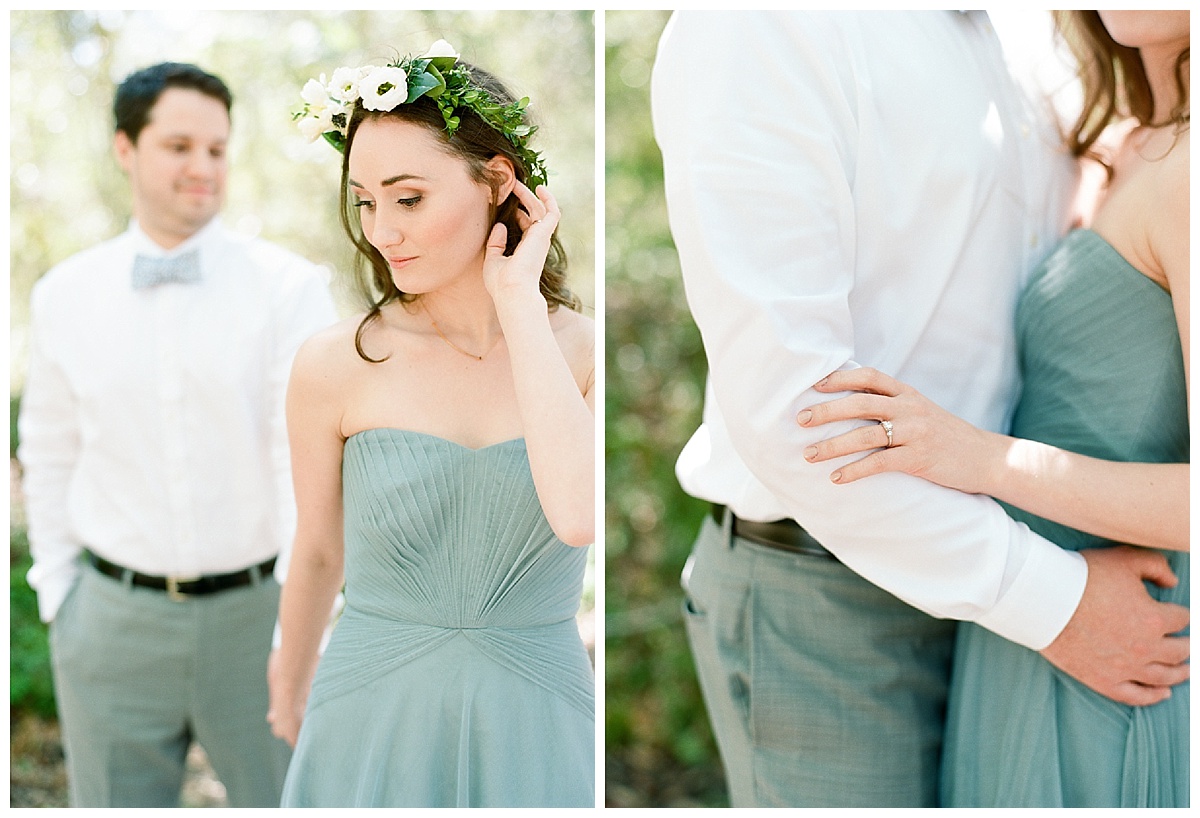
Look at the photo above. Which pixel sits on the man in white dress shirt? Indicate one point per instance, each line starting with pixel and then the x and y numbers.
pixel 155 462
pixel 859 189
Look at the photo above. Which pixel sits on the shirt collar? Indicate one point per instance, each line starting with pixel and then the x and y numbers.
pixel 145 245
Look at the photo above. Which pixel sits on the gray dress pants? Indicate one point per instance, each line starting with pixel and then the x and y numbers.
pixel 822 689
pixel 139 676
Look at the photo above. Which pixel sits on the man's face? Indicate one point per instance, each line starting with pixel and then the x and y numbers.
pixel 177 166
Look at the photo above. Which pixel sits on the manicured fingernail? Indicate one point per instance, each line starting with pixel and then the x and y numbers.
pixel 810 452
pixel 836 477
pixel 804 417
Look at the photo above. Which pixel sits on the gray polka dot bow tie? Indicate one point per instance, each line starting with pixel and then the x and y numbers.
pixel 183 269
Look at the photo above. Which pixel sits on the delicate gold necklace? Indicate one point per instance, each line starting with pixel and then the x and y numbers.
pixel 455 346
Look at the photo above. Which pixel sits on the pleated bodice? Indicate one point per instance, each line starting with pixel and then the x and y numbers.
pixel 444 535
pixel 455 675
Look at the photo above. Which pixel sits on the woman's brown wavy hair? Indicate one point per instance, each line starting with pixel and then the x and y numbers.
pixel 475 142
pixel 1114 82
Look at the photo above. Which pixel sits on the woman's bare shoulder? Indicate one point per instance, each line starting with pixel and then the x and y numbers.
pixel 1176 173
pixel 576 335
pixel 330 353
pixel 574 330
pixel 1170 235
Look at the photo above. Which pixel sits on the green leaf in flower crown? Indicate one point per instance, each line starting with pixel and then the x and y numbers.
pixel 432 71
pixel 336 139
pixel 421 84
pixel 443 63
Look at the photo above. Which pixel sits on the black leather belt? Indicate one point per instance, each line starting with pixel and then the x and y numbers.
pixel 782 535
pixel 177 587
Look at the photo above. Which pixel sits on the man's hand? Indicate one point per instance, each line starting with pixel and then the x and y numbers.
pixel 1119 641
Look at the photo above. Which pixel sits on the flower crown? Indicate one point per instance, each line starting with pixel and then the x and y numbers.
pixel 436 74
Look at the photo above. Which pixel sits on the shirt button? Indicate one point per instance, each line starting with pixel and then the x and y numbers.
pixel 1034 241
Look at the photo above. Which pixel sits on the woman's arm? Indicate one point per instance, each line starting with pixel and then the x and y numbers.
pixel 314 575
pixel 1136 503
pixel 557 416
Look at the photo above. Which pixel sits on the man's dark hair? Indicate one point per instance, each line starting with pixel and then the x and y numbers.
pixel 141 90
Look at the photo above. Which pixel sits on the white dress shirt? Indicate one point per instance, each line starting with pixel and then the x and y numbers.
pixel 863 189
pixel 152 428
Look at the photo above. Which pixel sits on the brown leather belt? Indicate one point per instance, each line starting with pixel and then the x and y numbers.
pixel 782 535
pixel 182 587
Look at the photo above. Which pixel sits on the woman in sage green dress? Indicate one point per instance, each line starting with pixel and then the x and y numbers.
pixel 1100 443
pixel 443 459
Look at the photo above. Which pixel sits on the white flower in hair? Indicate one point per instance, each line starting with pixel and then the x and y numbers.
pixel 441 49
pixel 344 86
pixel 318 122
pixel 314 93
pixel 384 88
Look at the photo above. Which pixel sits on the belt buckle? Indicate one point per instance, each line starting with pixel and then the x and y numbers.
pixel 173 591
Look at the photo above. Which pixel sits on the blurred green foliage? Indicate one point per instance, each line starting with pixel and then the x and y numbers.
pixel 14 407
pixel 660 751
pixel 29 686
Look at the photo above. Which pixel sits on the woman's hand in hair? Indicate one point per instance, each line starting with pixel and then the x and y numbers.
pixel 516 277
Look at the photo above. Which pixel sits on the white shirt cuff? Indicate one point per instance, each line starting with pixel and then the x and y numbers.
pixel 1041 599
pixel 53 590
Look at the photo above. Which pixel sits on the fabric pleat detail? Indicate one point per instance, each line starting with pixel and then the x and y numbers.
pixel 456 675
pixel 1102 369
